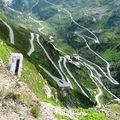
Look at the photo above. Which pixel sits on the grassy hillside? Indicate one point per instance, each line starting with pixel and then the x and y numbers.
pixel 22 45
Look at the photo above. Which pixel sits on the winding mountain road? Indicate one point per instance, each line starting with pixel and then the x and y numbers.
pixel 96 38
pixel 108 65
pixel 60 73
pixel 64 81
pixel 39 22
pixel 97 97
pixel 70 74
pixel 96 41
pixel 34 5
pixel 59 63
pixel 10 32
pixel 18 12
pixel 88 66
pixel 98 78
pixel 56 79
pixel 32 45
pixel 74 78
pixel 51 39
pixel 93 78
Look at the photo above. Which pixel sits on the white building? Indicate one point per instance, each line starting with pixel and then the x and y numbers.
pixel 15 63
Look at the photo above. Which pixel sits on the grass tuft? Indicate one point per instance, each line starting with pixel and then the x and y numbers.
pixel 35 111
pixel 12 95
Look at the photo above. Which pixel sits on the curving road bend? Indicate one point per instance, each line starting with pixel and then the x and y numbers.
pixel 59 63
pixel 32 45
pixel 97 96
pixel 39 22
pixel 10 32
pixel 34 5
pixel 18 12
pixel 57 80
pixel 51 39
pixel 50 3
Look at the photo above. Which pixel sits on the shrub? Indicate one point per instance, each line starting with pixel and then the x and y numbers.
pixel 62 117
pixel 12 95
pixel 35 111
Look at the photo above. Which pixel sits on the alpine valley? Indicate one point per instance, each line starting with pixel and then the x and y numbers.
pixel 71 52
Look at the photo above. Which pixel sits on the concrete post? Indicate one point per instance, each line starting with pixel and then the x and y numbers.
pixel 15 63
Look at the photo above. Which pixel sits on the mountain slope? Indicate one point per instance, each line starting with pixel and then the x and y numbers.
pixel 75 27
pixel 19 102
pixel 20 44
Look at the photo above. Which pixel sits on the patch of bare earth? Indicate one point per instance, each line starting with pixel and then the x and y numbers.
pixel 95 13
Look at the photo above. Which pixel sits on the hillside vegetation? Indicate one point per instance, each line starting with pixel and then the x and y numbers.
pixel 71 50
pixel 22 100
